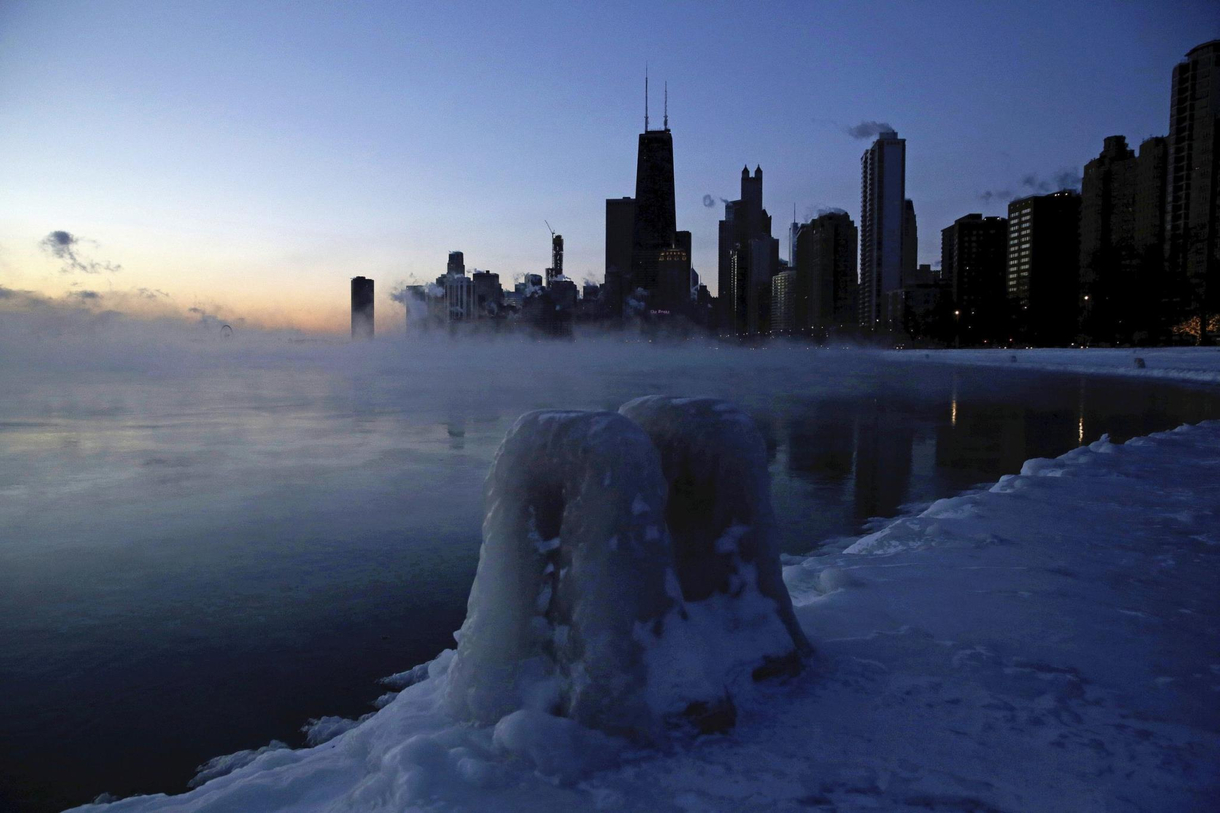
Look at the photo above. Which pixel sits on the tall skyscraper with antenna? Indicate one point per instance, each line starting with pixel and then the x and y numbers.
pixel 658 279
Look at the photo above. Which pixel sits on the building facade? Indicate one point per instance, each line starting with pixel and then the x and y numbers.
pixel 973 261
pixel 1043 270
pixel 1192 220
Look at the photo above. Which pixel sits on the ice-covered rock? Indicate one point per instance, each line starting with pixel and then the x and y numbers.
pixel 575 608
pixel 719 515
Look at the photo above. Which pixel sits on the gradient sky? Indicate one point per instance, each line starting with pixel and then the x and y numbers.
pixel 248 158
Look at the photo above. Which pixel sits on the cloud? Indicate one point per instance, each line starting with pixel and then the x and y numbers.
pixel 709 201
pixel 868 129
pixel 86 296
pixel 152 293
pixel 65 247
pixel 1033 184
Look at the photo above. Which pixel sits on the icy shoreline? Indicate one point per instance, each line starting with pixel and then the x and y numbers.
pixel 1047 644
pixel 1197 365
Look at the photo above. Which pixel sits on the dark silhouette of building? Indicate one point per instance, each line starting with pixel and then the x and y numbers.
pixel 910 242
pixel 556 269
pixel 748 258
pixel 456 264
pixel 660 254
pixel 488 293
pixel 1192 239
pixel 973 262
pixel 655 280
pixel 1043 271
pixel 883 222
pixel 362 308
pixel 826 281
pixel 620 223
pixel 1119 293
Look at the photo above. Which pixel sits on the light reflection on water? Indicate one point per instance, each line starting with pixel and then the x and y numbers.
pixel 193 564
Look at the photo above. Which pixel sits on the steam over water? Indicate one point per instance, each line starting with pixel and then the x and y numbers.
pixel 204 543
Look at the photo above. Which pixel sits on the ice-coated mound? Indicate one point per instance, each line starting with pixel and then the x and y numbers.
pixel 575 608
pixel 720 519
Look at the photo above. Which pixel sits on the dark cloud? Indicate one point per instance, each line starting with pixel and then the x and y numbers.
pixel 1034 184
pixel 709 201
pixel 86 296
pixel 65 247
pixel 152 293
pixel 868 129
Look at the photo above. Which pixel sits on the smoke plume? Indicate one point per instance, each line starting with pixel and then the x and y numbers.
pixel 868 129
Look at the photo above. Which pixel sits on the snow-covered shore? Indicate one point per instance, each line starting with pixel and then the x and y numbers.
pixel 1047 644
pixel 1191 364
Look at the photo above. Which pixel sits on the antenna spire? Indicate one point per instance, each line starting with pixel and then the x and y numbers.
pixel 667 104
pixel 645 97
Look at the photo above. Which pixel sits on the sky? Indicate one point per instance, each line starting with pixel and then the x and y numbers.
pixel 244 160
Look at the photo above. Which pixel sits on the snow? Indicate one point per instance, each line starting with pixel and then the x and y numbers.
pixel 1188 364
pixel 1048 643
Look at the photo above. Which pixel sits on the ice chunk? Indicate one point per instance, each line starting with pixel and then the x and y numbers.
pixel 719 512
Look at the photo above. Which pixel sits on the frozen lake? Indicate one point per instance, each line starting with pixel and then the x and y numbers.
pixel 202 545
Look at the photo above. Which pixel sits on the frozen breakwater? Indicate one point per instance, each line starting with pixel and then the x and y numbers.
pixel 1045 644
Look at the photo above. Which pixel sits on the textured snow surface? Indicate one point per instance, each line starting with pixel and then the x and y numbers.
pixel 1049 644
pixel 1201 364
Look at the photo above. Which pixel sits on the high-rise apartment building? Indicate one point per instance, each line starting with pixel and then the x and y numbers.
pixel 973 260
pixel 826 273
pixel 783 303
pixel 1192 244
pixel 883 221
pixel 1121 279
pixel 1043 270
pixel 362 308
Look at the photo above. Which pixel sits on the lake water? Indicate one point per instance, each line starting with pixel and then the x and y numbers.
pixel 203 546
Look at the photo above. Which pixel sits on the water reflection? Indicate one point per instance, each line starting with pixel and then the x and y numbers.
pixel 901 448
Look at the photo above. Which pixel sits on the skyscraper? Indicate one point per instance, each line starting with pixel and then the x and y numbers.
pixel 1043 269
pixel 556 269
pixel 362 308
pixel 1121 282
pixel 456 264
pixel 1192 245
pixel 826 273
pixel 749 257
pixel 660 254
pixel 973 259
pixel 620 221
pixel 882 222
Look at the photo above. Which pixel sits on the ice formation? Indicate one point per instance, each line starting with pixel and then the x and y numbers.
pixel 575 583
pixel 629 572
pixel 720 517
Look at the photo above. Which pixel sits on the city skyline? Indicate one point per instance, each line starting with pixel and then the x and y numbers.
pixel 261 204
